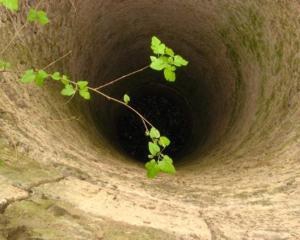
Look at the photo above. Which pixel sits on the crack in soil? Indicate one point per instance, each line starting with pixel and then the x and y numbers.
pixel 6 202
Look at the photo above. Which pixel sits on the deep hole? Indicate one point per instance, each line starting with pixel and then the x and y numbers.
pixel 170 107
pixel 166 109
pixel 196 112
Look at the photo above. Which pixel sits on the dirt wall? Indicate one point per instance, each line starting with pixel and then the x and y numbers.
pixel 63 178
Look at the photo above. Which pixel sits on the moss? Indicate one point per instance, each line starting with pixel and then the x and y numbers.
pixel 127 232
pixel 23 171
pixel 39 218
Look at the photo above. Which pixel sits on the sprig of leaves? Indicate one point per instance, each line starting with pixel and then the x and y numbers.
pixel 159 162
pixel 165 60
pixel 69 88
pixel 37 16
pixel 12 5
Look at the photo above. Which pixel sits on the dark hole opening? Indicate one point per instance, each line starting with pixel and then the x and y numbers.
pixel 166 109
pixel 179 110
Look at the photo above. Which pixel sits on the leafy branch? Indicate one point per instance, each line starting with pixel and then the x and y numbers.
pixel 159 162
pixel 163 59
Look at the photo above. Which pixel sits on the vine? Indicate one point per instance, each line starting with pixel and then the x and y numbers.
pixel 163 59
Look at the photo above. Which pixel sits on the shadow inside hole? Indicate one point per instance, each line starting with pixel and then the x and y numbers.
pixel 166 109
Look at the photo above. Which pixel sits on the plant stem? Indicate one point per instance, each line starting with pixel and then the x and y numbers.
pixel 13 38
pixel 145 121
pixel 121 78
pixel 57 60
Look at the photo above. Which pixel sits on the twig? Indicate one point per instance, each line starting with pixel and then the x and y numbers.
pixel 121 78
pixel 57 60
pixel 14 25
pixel 13 38
pixel 125 105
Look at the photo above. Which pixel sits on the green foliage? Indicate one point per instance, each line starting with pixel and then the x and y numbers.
pixel 28 76
pixel 1 163
pixel 68 91
pixel 166 165
pixel 126 99
pixel 4 65
pixel 84 90
pixel 37 16
pixel 154 149
pixel 12 5
pixel 154 133
pixel 69 88
pixel 152 169
pixel 165 60
pixel 164 141
pixel 159 162
pixel 38 77
pixel 56 76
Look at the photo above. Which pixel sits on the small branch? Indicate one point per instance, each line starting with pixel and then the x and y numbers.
pixel 121 78
pixel 13 38
pixel 144 120
pixel 57 60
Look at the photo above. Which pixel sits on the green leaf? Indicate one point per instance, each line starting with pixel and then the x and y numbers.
pixel 1 163
pixel 85 94
pixel 40 77
pixel 157 64
pixel 4 65
pixel 37 16
pixel 32 15
pixel 154 149
pixel 82 84
pixel 170 75
pixel 157 46
pixel 56 76
pixel 126 99
pixel 12 5
pixel 155 41
pixel 28 76
pixel 159 49
pixel 68 90
pixel 154 133
pixel 164 141
pixel 170 52
pixel 152 169
pixel 166 165
pixel 43 18
pixel 180 61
